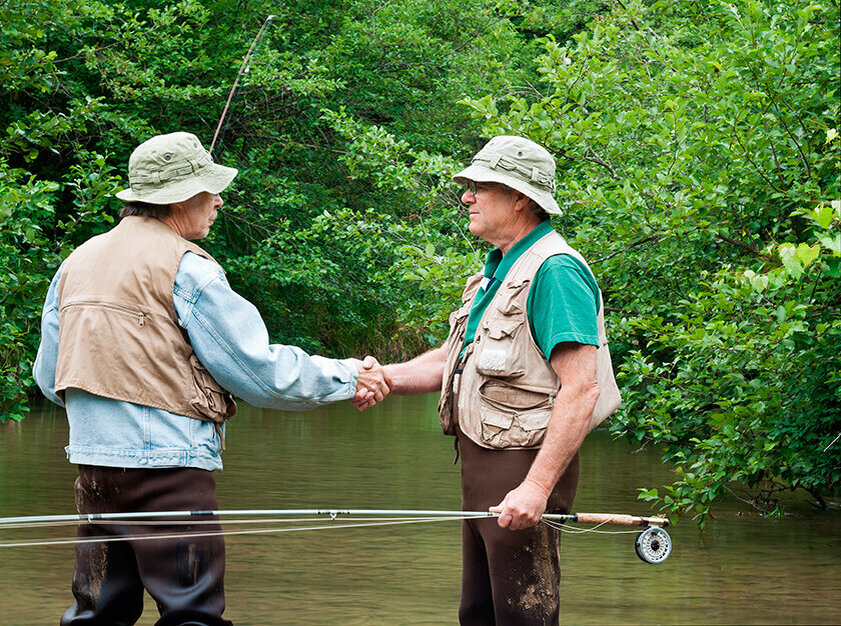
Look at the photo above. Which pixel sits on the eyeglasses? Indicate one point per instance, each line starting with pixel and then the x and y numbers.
pixel 474 188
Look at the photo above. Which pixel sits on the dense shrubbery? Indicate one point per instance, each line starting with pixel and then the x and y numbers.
pixel 698 166
pixel 700 169
pixel 321 251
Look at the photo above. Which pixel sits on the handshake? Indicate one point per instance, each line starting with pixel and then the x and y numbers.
pixel 373 383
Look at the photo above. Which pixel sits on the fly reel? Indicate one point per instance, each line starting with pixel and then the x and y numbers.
pixel 653 545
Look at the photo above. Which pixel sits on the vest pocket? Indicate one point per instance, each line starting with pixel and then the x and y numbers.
pixel 209 399
pixel 496 353
pixel 138 315
pixel 513 417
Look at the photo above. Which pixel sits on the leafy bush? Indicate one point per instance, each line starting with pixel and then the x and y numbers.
pixel 697 146
pixel 323 252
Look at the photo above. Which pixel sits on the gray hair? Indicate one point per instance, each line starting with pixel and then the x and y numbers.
pixel 145 209
pixel 535 208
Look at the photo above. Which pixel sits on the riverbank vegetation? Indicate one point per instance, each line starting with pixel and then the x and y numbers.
pixel 698 167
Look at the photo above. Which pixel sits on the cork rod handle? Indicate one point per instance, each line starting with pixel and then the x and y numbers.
pixel 612 519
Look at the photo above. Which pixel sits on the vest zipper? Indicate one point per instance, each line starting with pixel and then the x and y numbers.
pixel 140 315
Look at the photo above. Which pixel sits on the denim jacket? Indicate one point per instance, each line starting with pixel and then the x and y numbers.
pixel 230 339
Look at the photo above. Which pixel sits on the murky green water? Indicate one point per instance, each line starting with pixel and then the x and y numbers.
pixel 743 570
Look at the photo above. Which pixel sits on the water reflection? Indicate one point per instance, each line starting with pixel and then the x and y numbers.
pixel 742 570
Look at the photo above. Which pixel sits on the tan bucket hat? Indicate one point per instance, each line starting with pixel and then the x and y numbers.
pixel 173 168
pixel 518 163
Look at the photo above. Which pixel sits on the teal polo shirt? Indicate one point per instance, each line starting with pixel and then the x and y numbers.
pixel 563 301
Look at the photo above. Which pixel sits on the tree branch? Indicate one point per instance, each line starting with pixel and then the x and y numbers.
pixel 628 247
pixel 599 160
pixel 744 246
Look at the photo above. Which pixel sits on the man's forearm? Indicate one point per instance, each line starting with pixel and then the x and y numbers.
pixel 523 506
pixel 575 366
pixel 422 374
pixel 567 428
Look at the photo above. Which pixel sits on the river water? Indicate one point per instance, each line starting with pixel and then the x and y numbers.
pixel 740 570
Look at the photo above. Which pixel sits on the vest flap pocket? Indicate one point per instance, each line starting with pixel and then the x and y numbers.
pixel 503 394
pixel 459 314
pixel 499 350
pixel 499 328
pixel 535 419
pixel 512 298
pixel 209 399
pixel 496 418
pixel 512 307
pixel 513 417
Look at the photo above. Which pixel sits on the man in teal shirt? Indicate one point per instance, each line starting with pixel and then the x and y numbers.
pixel 563 300
pixel 519 383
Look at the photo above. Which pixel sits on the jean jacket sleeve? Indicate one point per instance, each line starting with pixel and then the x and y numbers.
pixel 44 367
pixel 230 338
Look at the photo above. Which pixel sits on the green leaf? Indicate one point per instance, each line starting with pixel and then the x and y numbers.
pixel 832 243
pixel 805 253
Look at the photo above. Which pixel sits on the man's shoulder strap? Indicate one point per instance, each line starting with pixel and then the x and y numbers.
pixel 549 245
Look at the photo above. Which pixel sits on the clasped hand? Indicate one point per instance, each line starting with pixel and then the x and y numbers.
pixel 522 507
pixel 372 384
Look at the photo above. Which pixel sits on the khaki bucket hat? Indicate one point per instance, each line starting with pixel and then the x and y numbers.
pixel 173 168
pixel 518 163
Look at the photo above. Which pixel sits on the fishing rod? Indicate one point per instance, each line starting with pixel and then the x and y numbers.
pixel 653 544
pixel 243 69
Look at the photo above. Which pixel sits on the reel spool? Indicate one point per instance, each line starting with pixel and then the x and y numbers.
pixel 653 545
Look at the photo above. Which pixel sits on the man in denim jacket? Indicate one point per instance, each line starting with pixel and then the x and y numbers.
pixel 519 383
pixel 144 343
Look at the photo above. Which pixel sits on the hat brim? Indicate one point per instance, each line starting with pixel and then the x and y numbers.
pixel 481 174
pixel 212 178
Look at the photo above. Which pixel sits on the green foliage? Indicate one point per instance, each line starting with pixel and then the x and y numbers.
pixel 23 280
pixel 698 155
pixel 337 264
pixel 750 396
pixel 29 254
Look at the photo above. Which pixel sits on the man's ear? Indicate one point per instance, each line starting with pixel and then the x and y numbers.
pixel 521 202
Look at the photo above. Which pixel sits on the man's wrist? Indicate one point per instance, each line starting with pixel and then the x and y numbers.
pixel 539 486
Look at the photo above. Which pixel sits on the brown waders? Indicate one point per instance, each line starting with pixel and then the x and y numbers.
pixel 183 575
pixel 508 577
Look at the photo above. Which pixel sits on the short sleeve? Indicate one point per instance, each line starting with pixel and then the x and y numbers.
pixel 563 304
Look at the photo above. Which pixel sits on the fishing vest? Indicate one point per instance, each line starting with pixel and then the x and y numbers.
pixel 501 392
pixel 118 329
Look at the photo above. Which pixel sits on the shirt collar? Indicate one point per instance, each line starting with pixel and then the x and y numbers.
pixel 497 265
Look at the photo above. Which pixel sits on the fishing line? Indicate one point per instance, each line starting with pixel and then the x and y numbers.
pixel 652 545
pixel 146 537
pixel 573 530
pixel 343 523
pixel 197 522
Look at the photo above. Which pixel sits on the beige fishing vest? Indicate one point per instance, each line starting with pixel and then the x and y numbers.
pixel 501 394
pixel 118 330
